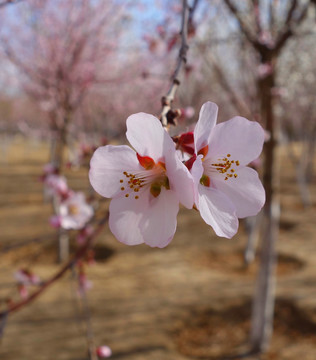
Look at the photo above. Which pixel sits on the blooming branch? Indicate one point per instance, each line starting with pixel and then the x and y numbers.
pixel 46 284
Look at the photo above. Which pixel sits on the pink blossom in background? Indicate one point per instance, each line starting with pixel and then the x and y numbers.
pixel 146 186
pixel 55 221
pixel 56 185
pixel 282 92
pixel 26 277
pixel 84 284
pixel 74 212
pixel 104 351
pixel 226 189
pixel 49 169
pixel 188 112
pixel 23 291
pixel 265 37
pixel 264 70
pixel 83 234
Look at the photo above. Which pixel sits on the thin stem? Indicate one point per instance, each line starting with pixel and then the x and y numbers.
pixel 89 329
pixel 187 16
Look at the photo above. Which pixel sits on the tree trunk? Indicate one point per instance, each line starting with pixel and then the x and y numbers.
pixel 263 303
pixel 58 145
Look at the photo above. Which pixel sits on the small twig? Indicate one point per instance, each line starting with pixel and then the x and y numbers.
pixel 78 255
pixel 187 15
pixel 18 245
pixel 89 329
pixel 3 323
pixel 84 316
pixel 9 2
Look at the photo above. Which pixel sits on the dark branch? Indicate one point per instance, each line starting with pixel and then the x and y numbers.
pixel 291 24
pixel 9 2
pixel 167 115
pixel 241 22
pixel 78 255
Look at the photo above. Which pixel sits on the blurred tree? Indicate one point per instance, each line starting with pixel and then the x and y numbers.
pixel 267 28
pixel 62 49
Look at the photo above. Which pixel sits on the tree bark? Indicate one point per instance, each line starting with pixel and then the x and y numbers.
pixel 263 303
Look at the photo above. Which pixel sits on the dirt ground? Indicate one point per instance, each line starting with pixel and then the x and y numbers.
pixel 191 300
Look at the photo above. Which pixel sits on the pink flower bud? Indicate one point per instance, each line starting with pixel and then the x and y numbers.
pixel 264 70
pixel 104 351
pixel 23 291
pixel 83 234
pixel 55 221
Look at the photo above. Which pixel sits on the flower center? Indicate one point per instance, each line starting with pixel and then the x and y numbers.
pixel 152 178
pixel 73 209
pixel 224 166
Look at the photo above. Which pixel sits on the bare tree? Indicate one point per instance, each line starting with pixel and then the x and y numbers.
pixel 268 39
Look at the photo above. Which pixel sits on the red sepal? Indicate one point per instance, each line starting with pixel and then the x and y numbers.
pixel 146 162
pixel 203 151
pixel 186 138
pixel 190 162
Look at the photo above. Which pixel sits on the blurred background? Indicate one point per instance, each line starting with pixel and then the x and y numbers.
pixel 72 71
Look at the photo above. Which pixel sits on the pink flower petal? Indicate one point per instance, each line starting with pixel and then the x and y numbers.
pixel 107 166
pixel 125 216
pixel 180 180
pixel 146 134
pixel 246 191
pixel 159 220
pixel 197 172
pixel 241 138
pixel 218 211
pixel 205 124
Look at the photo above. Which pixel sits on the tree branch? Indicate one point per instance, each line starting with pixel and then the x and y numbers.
pixel 241 22
pixel 290 23
pixel 187 16
pixel 9 2
pixel 78 255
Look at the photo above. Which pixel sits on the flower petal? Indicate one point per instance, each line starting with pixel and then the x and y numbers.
pixel 159 221
pixel 246 191
pixel 180 179
pixel 218 211
pixel 241 138
pixel 147 136
pixel 107 166
pixel 125 216
pixel 205 124
pixel 197 172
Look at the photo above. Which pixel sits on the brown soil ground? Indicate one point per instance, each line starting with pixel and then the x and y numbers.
pixel 191 300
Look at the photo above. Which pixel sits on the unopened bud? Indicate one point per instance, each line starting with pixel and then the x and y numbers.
pixel 104 352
